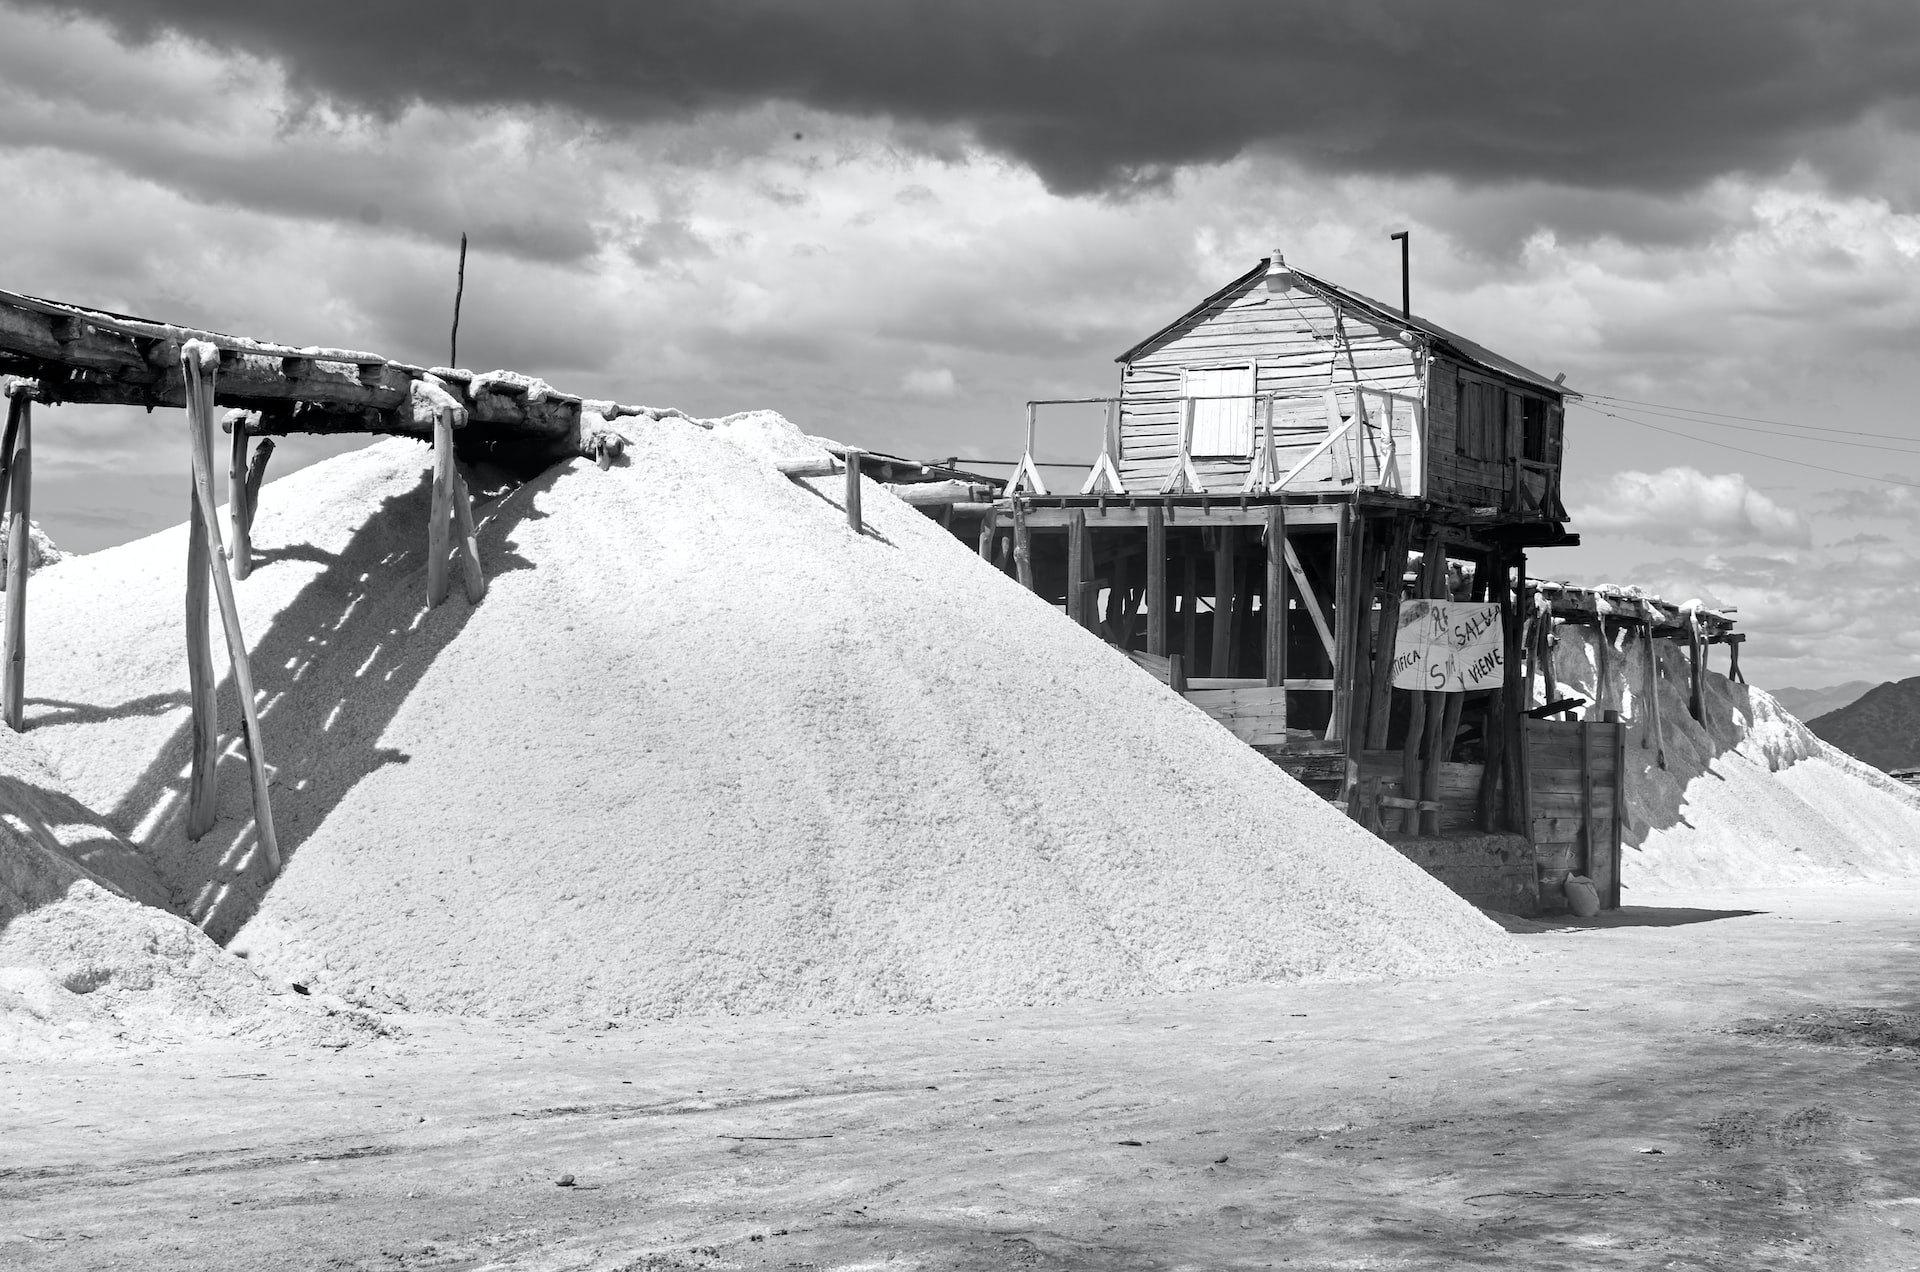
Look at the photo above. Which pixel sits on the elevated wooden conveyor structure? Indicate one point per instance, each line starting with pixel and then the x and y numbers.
pixel 52 352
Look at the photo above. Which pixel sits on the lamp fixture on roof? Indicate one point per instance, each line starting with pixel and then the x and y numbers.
pixel 1279 277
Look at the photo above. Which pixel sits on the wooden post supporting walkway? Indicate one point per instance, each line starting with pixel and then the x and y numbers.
pixel 200 363
pixel 16 461
pixel 1157 595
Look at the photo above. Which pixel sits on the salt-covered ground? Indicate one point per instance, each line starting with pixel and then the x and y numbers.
pixel 1749 799
pixel 1732 1092
pixel 701 748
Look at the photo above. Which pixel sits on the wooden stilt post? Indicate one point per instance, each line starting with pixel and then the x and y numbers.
pixel 1617 839
pixel 1602 683
pixel 1513 692
pixel 440 518
pixel 1393 571
pixel 1276 595
pixel 1079 581
pixel 18 455
pixel 1343 550
pixel 1696 692
pixel 1190 609
pixel 256 476
pixel 239 546
pixel 989 530
pixel 1221 663
pixel 1157 595
pixel 1368 550
pixel 203 789
pixel 1653 698
pixel 853 491
pixel 200 362
pixel 1022 545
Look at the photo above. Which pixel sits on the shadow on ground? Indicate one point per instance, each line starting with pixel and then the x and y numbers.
pixel 1625 916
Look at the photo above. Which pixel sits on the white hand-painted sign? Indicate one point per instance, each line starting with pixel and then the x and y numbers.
pixel 1448 646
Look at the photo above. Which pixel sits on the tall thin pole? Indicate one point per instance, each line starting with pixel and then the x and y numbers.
pixel 459 290
pixel 1406 280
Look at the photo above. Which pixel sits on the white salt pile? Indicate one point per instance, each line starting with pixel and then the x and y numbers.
pixel 87 960
pixel 1749 799
pixel 701 748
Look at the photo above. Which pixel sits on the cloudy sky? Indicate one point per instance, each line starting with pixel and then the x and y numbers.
pixel 895 221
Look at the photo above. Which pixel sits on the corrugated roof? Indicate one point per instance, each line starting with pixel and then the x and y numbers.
pixel 1459 346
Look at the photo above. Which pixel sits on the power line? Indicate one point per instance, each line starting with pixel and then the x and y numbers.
pixel 1751 419
pixel 1678 413
pixel 1778 459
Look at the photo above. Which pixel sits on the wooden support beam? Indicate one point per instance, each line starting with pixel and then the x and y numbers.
pixel 440 517
pixel 854 520
pixel 1393 573
pixel 1513 691
pixel 1345 548
pixel 256 477
pixel 1079 575
pixel 203 792
pixel 240 544
pixel 1368 640
pixel 1657 739
pixel 1612 899
pixel 1276 595
pixel 1697 689
pixel 1221 663
pixel 1308 601
pixel 1190 609
pixel 1157 596
pixel 16 455
pixel 989 531
pixel 1602 687
pixel 1022 545
pixel 200 363
pixel 1587 853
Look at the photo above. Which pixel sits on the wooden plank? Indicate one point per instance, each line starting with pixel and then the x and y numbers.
pixel 1224 580
pixel 1225 510
pixel 1257 716
pixel 18 452
pixel 1308 601
pixel 1157 595
pixel 1158 666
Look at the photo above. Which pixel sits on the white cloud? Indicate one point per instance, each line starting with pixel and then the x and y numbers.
pixel 929 382
pixel 1686 506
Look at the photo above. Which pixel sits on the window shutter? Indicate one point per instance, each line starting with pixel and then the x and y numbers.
pixel 1222 428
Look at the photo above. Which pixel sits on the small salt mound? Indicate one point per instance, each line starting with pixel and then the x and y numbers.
pixel 84 965
pixel 1749 799
pixel 702 748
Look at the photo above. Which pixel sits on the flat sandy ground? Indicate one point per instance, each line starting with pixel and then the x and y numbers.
pixel 1614 1102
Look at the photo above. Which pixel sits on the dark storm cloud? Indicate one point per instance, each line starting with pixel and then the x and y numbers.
pixel 1653 95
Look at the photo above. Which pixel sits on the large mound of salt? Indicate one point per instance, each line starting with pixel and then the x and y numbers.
pixel 702 748
pixel 1750 797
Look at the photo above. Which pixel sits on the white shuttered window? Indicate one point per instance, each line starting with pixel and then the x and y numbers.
pixel 1223 427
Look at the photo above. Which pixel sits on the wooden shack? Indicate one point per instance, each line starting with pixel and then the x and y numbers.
pixel 1284 465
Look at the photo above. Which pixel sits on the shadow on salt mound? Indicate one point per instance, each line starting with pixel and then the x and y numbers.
pixel 49 840
pixel 1750 797
pixel 703 749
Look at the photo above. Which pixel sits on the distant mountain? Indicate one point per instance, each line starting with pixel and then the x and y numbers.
pixel 1882 727
pixel 1810 704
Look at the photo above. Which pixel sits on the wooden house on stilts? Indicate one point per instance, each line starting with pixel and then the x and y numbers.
pixel 1287 468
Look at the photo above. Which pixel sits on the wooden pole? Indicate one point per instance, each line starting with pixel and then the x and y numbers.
pixel 241 546
pixel 203 781
pixel 256 476
pixel 1367 566
pixel 1276 595
pixel 1221 663
pixel 853 491
pixel 200 361
pixel 1078 580
pixel 1343 553
pixel 1157 597
pixel 1618 838
pixel 1513 692
pixel 1393 572
pixel 1189 609
pixel 1022 545
pixel 459 292
pixel 1696 693
pixel 440 517
pixel 1653 698
pixel 18 451
pixel 989 531
pixel 1601 682
pixel 1586 797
